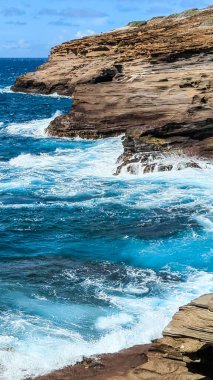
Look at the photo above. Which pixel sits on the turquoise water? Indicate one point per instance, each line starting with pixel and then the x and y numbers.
pixel 90 262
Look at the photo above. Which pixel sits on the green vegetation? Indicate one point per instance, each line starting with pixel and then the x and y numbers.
pixel 137 23
pixel 189 13
pixel 157 17
pixel 173 15
pixel 121 44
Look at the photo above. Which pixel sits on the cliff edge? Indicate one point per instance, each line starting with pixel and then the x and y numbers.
pixel 151 80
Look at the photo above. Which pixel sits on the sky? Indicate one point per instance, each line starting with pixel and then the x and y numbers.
pixel 29 28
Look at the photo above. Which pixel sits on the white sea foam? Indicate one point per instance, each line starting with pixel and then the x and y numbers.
pixel 205 222
pixel 99 160
pixel 33 128
pixel 114 321
pixel 179 163
pixel 82 168
pixel 5 90
pixel 8 90
pixel 82 162
pixel 55 95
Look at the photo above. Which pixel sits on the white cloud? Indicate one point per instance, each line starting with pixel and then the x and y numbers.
pixel 83 33
pixel 20 44
pixel 72 13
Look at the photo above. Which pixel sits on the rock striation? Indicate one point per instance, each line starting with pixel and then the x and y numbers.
pixel 186 349
pixel 151 80
pixel 185 352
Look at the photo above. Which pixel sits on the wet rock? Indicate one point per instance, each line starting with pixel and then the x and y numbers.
pixel 189 139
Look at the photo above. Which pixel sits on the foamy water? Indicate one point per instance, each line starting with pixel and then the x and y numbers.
pixel 34 128
pixel 8 90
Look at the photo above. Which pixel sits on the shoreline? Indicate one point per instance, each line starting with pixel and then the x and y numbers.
pixel 100 367
pixel 185 352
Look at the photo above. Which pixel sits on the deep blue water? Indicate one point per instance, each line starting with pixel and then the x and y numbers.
pixel 89 261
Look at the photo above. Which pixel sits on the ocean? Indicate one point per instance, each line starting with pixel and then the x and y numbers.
pixel 90 262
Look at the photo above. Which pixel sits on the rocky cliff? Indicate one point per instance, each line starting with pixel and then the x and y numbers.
pixel 151 80
pixel 184 353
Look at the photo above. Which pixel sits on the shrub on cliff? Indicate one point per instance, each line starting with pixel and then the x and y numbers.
pixel 136 23
pixel 189 13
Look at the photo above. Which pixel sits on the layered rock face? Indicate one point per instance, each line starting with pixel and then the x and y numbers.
pixel 184 353
pixel 186 349
pixel 152 81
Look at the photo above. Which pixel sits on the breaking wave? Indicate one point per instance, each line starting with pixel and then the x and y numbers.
pixel 33 128
pixel 8 90
pixel 166 163
pixel 133 323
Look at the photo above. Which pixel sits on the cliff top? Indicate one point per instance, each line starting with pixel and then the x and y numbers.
pixel 160 36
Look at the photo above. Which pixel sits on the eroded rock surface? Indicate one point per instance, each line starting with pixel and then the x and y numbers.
pixel 167 146
pixel 152 80
pixel 184 353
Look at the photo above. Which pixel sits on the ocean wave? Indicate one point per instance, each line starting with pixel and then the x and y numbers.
pixel 83 160
pixel 33 128
pixel 81 170
pixel 8 90
pixel 133 323
pixel 177 162
pixel 205 222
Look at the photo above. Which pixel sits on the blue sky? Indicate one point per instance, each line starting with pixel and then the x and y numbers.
pixel 29 28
